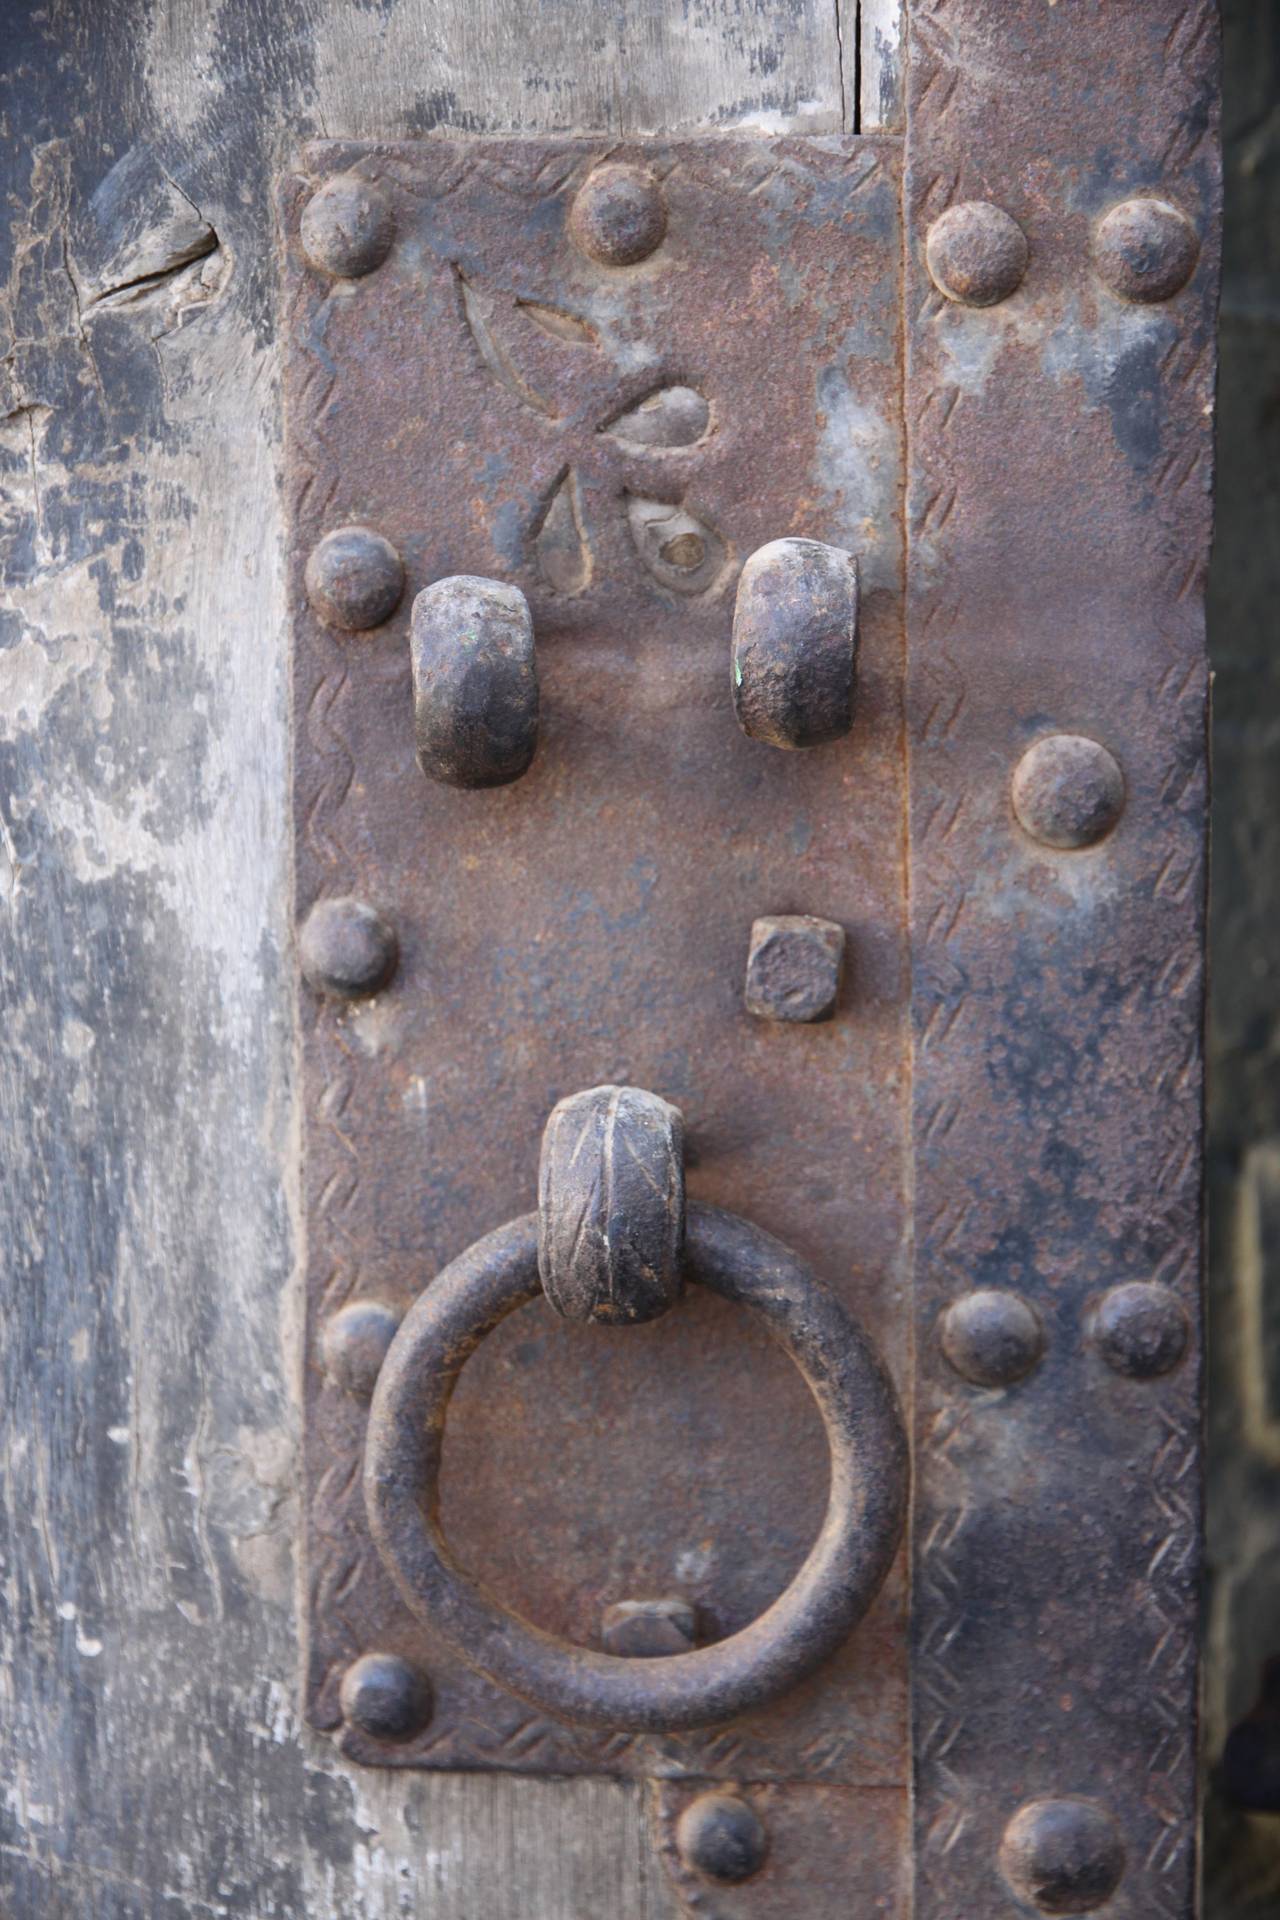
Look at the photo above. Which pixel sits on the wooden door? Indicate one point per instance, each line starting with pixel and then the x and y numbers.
pixel 1037 673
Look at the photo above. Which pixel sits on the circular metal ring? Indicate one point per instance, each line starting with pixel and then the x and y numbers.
pixel 832 1590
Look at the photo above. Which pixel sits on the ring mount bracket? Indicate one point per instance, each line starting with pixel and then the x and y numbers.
pixel 841 1574
pixel 496 402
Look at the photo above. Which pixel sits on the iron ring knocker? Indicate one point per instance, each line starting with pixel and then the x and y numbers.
pixel 628 1244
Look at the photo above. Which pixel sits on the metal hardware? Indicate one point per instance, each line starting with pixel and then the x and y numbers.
pixel 386 1697
pixel 646 1629
pixel 820 1848
pixel 346 948
pixel 794 967
pixel 722 1837
pixel 977 254
pixel 992 1338
pixel 829 1595
pixel 1067 791
pixel 1057 534
pixel 1063 1856
pixel 475 682
pixel 354 1344
pixel 611 1209
pixel 1013 402
pixel 354 578
pixel 498 404
pixel 347 227
pixel 795 643
pixel 1146 250
pixel 1141 1329
pixel 619 215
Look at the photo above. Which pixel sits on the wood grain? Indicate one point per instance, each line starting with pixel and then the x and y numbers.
pixel 152 1760
pixel 881 74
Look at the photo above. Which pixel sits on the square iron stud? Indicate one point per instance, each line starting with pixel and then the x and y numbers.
pixel 794 966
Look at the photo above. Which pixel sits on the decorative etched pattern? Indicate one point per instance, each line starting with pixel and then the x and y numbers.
pixel 333 1567
pixel 587 419
pixel 1168 1594
pixel 1014 1035
pixel 560 540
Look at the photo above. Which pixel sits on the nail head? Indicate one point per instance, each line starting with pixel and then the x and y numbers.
pixel 1068 791
pixel 347 227
pixel 992 1337
pixel 354 578
pixel 619 215
pixel 1064 1856
pixel 1146 250
pixel 347 948
pixel 354 1344
pixel 1141 1329
pixel 385 1696
pixel 721 1836
pixel 976 254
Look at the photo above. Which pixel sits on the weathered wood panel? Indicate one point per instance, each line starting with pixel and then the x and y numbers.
pixel 152 1760
pixel 880 65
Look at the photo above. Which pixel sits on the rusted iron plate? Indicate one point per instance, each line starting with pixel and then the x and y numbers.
pixel 495 399
pixel 1058 504
pixel 703 1686
pixel 828 1852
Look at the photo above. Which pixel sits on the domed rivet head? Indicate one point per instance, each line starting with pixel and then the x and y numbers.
pixel 992 1338
pixel 1141 1329
pixel 1064 1856
pixel 385 1696
pixel 1145 249
pixel 354 578
pixel 1067 791
pixel 722 1837
pixel 347 948
pixel 976 254
pixel 354 1344
pixel 347 227
pixel 618 215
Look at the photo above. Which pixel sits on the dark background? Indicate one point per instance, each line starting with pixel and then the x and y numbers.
pixel 1242 1866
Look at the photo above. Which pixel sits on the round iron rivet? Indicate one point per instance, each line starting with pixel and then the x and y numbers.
pixel 618 216
pixel 1067 791
pixel 347 227
pixel 1145 250
pixel 347 948
pixel 722 1837
pixel 1141 1329
pixel 992 1338
pixel 354 1344
pixel 354 578
pixel 385 1696
pixel 976 254
pixel 1064 1856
